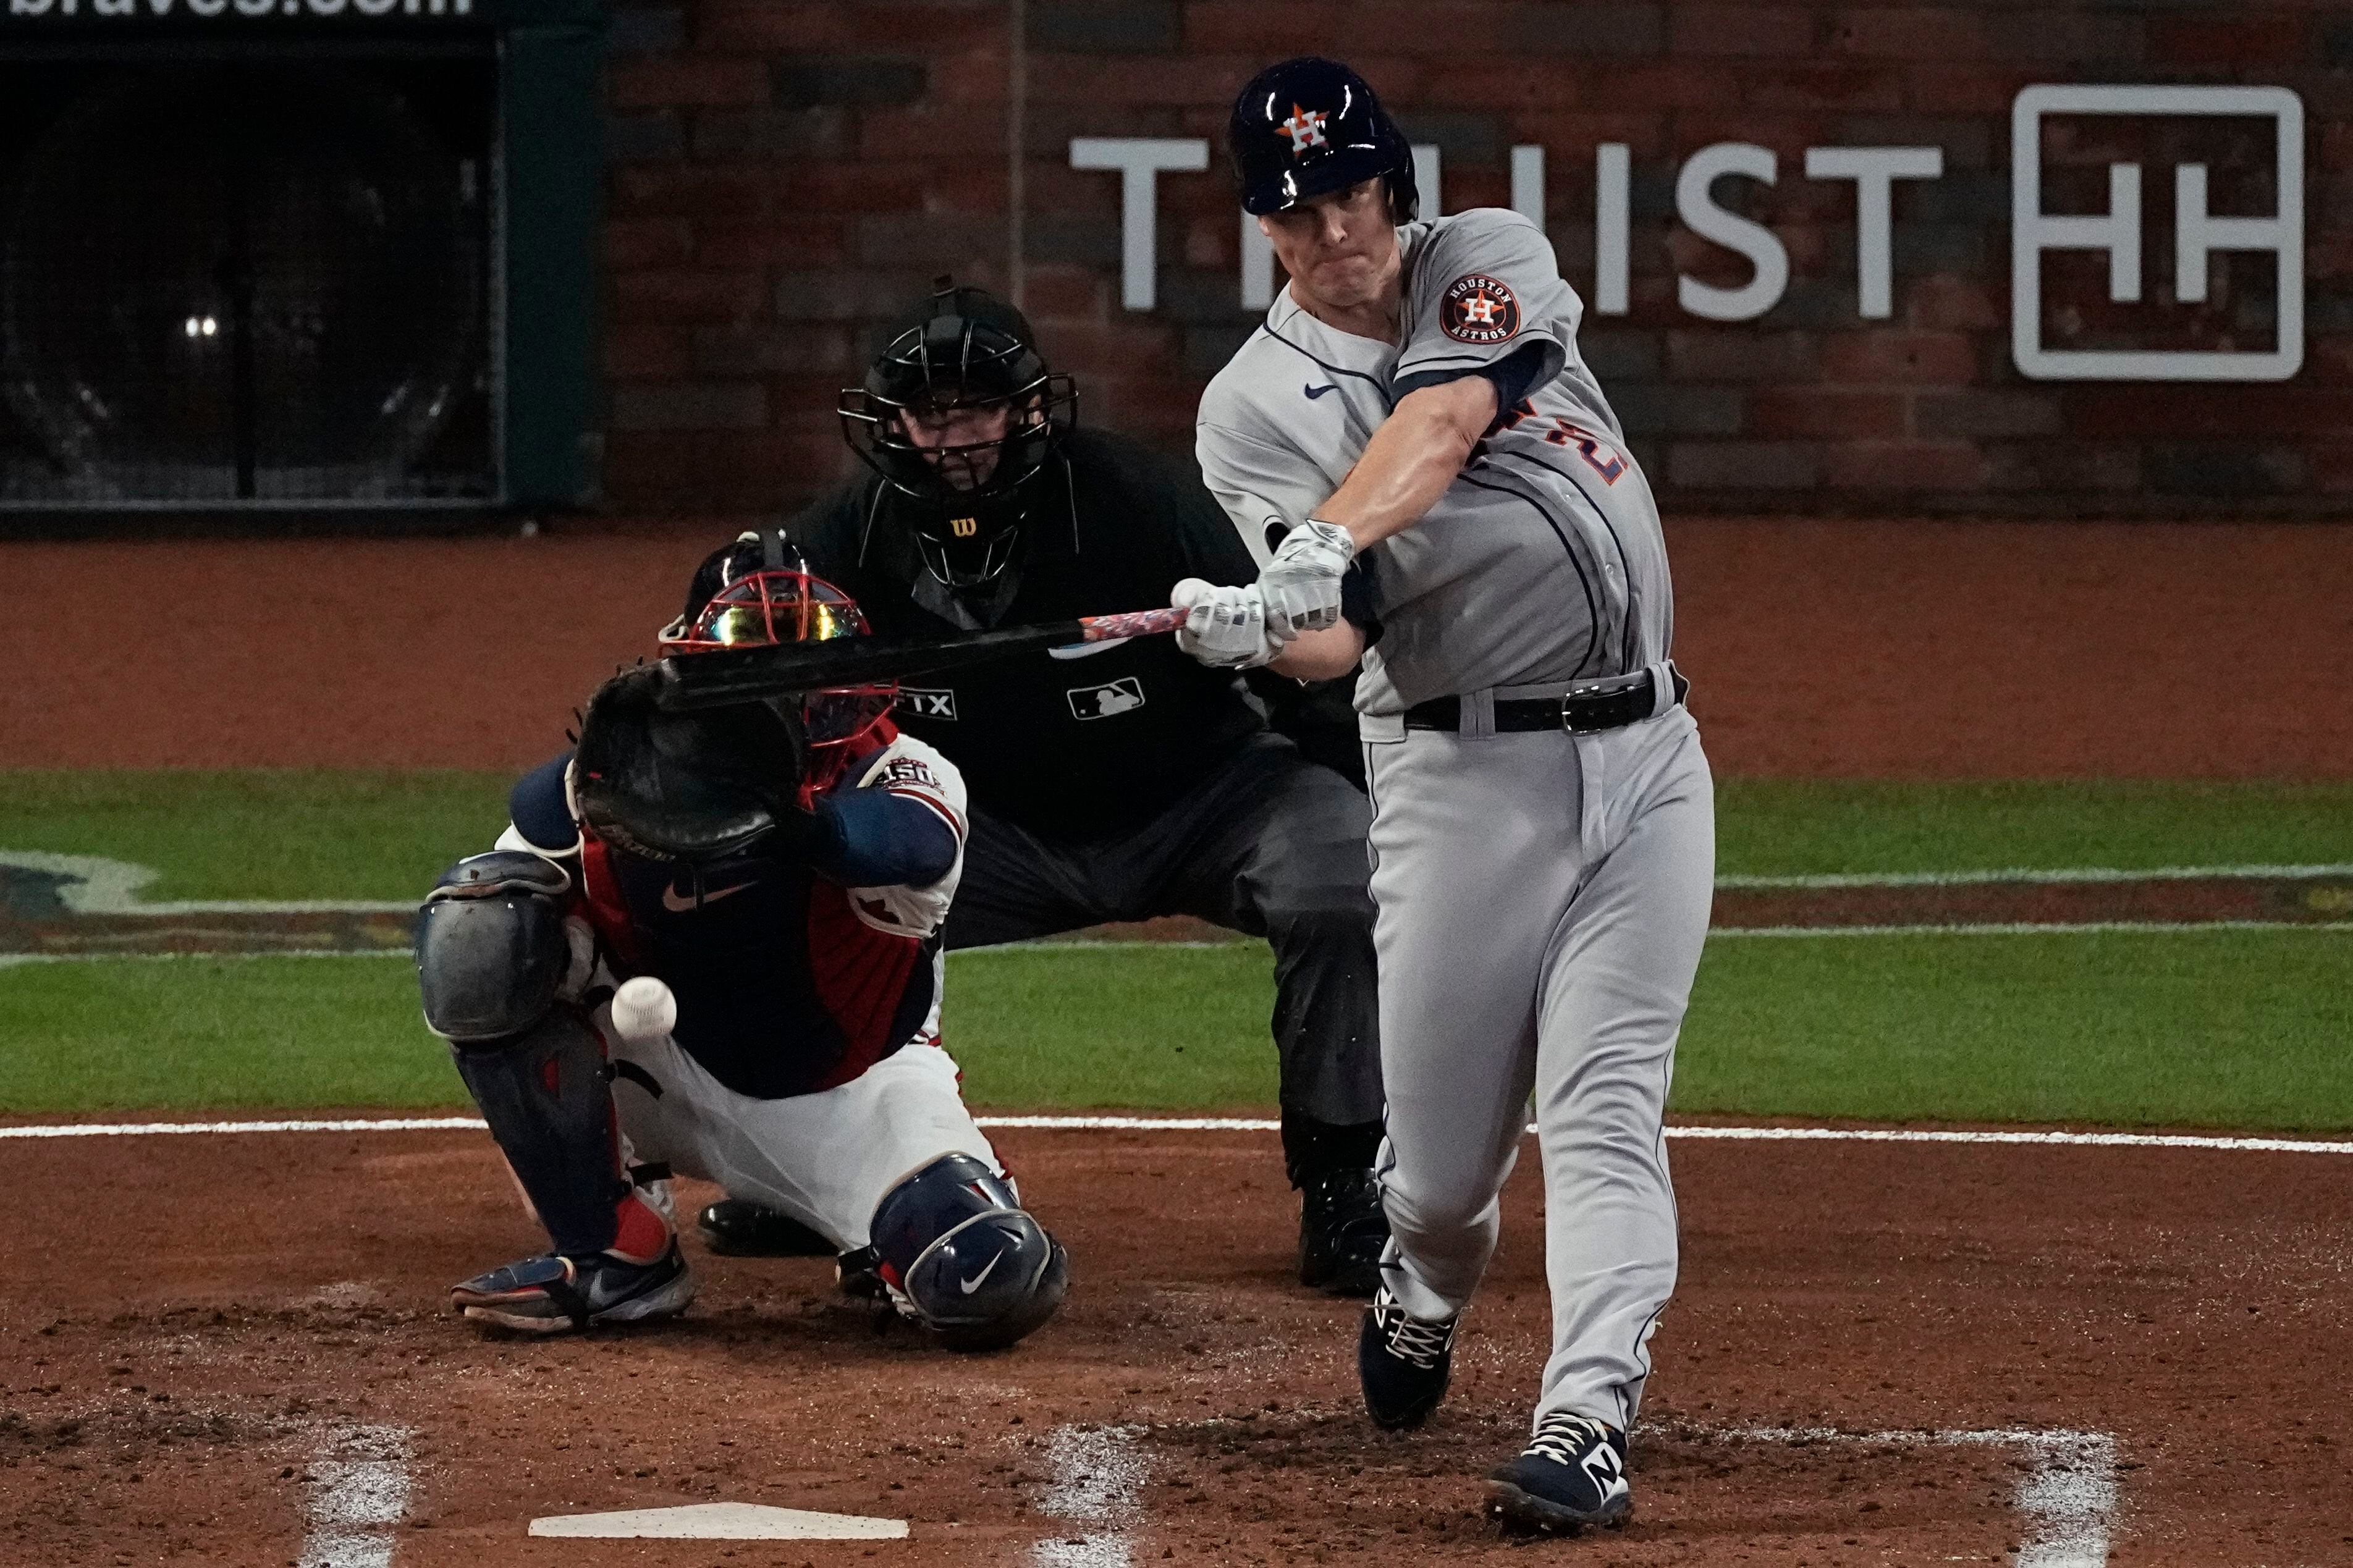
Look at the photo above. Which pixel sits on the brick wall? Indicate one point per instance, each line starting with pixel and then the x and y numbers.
pixel 784 174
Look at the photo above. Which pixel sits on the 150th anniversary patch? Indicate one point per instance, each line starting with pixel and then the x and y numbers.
pixel 1477 309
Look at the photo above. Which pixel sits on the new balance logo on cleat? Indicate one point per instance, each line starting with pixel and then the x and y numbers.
pixel 1607 1471
pixel 1572 1475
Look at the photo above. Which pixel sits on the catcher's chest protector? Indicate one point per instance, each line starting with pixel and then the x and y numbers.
pixel 782 988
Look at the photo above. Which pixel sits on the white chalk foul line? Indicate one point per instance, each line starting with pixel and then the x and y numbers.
pixel 2026 928
pixel 2068 1493
pixel 94 885
pixel 1267 1124
pixel 12 960
pixel 2037 877
pixel 1097 1487
pixel 359 1487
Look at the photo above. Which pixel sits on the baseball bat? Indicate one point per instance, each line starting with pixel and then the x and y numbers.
pixel 713 680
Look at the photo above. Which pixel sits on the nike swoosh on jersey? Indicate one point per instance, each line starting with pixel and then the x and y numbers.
pixel 1315 392
pixel 1085 649
pixel 973 1283
pixel 678 906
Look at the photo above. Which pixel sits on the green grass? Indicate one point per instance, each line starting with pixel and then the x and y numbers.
pixel 2227 1028
pixel 2243 1029
pixel 1169 1029
pixel 1790 828
pixel 263 833
pixel 218 1034
pixel 310 834
pixel 2234 1029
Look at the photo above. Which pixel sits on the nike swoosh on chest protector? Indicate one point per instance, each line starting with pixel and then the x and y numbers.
pixel 678 906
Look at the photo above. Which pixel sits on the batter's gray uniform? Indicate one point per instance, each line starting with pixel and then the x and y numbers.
pixel 1543 896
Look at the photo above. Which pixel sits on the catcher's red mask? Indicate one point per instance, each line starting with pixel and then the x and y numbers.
pixel 770 606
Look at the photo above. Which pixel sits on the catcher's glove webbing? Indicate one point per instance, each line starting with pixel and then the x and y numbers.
pixel 697 787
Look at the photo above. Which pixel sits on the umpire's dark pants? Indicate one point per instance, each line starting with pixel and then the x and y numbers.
pixel 1270 844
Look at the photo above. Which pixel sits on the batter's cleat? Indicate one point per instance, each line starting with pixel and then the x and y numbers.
pixel 1342 1231
pixel 742 1228
pixel 1404 1363
pixel 555 1294
pixel 1572 1475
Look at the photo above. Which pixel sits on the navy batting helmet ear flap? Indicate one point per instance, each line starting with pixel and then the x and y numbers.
pixel 1309 126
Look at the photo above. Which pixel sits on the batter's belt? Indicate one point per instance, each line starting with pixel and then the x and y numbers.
pixel 1581 709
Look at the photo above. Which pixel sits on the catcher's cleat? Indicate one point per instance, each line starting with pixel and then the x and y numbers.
pixel 742 1228
pixel 1572 1475
pixel 1404 1363
pixel 858 1274
pixel 1342 1232
pixel 555 1294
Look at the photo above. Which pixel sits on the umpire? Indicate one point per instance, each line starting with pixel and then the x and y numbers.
pixel 1119 781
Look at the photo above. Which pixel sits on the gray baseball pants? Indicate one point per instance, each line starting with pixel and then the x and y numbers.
pixel 1542 898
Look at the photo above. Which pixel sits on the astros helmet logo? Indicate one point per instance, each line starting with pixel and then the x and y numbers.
pixel 1305 128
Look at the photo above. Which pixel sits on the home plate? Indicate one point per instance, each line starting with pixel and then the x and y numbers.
pixel 721 1521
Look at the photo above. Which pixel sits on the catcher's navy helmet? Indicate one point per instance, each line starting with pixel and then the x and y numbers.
pixel 1308 126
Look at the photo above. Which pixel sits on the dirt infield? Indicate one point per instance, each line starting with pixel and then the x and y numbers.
pixel 1858 649
pixel 234 1350
pixel 210 1345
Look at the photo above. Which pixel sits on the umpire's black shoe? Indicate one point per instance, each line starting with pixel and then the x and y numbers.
pixel 1342 1231
pixel 1404 1363
pixel 1572 1475
pixel 556 1294
pixel 742 1228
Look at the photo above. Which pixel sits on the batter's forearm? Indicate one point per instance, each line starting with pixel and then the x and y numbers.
pixel 1411 459
pixel 1320 655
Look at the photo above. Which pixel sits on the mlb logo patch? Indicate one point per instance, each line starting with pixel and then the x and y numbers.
pixel 1121 696
pixel 920 702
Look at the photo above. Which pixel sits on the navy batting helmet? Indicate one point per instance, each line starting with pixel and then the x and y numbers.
pixel 1308 126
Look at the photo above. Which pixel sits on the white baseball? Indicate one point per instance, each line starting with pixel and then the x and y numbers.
pixel 644 1009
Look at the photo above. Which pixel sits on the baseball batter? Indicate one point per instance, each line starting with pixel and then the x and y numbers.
pixel 1432 480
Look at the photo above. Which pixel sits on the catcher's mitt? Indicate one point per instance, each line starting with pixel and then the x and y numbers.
pixel 705 786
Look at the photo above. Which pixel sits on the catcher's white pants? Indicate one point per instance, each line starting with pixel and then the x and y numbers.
pixel 826 1159
pixel 1543 899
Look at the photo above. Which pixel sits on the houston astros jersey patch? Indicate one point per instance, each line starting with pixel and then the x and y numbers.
pixel 1477 309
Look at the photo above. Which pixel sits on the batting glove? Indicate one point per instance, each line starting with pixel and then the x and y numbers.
pixel 1301 585
pixel 1225 627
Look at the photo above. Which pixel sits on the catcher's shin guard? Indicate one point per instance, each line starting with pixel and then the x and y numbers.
pixel 548 1102
pixel 964 1258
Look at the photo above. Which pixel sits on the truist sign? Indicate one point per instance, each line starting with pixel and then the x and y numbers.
pixel 233 9
pixel 2040 237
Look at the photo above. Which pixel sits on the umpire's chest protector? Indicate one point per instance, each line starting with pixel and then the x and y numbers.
pixel 1093 740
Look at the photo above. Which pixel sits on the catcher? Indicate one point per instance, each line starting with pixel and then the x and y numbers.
pixel 783 867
